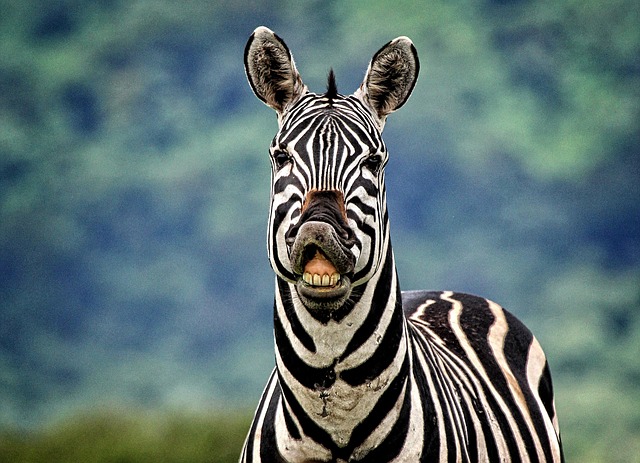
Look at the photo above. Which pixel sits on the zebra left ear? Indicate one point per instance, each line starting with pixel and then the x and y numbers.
pixel 271 70
pixel 390 78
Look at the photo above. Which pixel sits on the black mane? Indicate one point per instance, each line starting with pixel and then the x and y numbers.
pixel 332 88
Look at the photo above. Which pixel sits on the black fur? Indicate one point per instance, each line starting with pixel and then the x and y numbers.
pixel 332 88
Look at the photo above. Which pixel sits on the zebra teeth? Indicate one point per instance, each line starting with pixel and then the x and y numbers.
pixel 321 280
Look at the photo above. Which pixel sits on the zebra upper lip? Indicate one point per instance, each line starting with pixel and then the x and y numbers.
pixel 319 240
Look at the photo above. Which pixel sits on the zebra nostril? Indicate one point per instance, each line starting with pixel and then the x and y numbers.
pixel 290 236
pixel 349 236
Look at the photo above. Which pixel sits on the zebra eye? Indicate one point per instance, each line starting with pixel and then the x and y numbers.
pixel 280 158
pixel 373 163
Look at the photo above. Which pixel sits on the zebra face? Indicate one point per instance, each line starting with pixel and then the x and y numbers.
pixel 327 202
pixel 328 223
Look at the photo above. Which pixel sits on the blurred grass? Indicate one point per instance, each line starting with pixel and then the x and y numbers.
pixel 131 437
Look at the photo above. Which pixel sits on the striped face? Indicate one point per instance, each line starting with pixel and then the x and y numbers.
pixel 328 220
pixel 328 212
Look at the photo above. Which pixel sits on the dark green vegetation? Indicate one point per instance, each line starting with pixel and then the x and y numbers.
pixel 131 438
pixel 134 190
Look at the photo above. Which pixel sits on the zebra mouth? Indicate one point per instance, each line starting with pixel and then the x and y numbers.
pixel 322 264
pixel 319 272
pixel 321 287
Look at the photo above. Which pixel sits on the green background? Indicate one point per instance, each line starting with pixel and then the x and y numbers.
pixel 135 293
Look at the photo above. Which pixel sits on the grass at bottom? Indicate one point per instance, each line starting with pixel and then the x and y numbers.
pixel 130 437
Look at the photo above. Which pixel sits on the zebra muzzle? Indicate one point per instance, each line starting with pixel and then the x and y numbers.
pixel 323 264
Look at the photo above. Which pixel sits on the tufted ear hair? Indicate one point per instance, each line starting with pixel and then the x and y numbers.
pixel 271 71
pixel 390 78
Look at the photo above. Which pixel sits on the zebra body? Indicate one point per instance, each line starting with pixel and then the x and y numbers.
pixel 365 372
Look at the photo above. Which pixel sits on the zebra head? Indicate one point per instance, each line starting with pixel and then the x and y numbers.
pixel 327 230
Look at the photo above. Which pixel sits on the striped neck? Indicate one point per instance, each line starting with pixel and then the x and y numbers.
pixel 334 375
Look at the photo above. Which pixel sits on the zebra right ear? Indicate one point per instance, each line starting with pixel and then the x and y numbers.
pixel 390 78
pixel 271 70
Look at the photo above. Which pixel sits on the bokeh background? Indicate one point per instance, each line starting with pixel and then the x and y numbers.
pixel 135 292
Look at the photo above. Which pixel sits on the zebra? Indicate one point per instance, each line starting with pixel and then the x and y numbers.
pixel 364 372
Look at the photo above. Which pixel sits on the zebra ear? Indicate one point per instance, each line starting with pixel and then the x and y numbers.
pixel 271 71
pixel 390 78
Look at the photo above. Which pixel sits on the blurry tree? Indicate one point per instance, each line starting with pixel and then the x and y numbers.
pixel 134 192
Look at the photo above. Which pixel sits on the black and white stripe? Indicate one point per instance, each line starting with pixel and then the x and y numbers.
pixel 365 372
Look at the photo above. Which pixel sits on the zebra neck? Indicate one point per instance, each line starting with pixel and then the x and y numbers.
pixel 373 322
pixel 333 374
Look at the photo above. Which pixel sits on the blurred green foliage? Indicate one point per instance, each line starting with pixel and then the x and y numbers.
pixel 134 191
pixel 126 437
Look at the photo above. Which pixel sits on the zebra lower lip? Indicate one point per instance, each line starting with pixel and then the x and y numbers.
pixel 328 297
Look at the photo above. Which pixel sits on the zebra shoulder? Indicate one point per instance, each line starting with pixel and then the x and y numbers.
pixel 502 344
pixel 463 320
pixel 474 314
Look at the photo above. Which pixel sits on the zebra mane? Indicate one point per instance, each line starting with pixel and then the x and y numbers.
pixel 332 88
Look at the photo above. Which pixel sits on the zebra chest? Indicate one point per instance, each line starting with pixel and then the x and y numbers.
pixel 338 411
pixel 339 408
pixel 337 392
